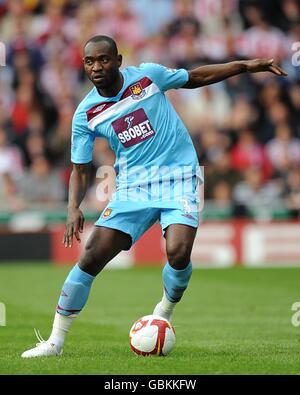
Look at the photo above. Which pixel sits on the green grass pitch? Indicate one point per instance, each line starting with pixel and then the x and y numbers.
pixel 230 321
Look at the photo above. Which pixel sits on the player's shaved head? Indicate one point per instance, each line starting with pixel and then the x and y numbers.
pixel 101 63
pixel 100 38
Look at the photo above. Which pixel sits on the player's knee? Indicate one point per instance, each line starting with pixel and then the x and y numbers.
pixel 93 259
pixel 179 255
pixel 89 256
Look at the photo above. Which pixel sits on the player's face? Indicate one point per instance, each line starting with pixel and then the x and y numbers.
pixel 101 64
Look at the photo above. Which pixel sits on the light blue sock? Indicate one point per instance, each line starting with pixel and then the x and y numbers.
pixel 75 292
pixel 176 281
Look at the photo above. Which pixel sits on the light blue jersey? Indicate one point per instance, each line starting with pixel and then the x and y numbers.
pixel 155 157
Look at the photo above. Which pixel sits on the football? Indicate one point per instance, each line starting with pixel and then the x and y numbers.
pixel 152 335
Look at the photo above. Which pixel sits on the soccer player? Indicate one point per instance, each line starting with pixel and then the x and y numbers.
pixel 157 173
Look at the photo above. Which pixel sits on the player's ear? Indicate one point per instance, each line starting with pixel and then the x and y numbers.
pixel 120 58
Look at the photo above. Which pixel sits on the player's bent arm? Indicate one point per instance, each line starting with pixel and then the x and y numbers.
pixel 78 186
pixel 210 74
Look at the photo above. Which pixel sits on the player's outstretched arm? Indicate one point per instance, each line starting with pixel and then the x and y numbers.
pixel 78 185
pixel 206 75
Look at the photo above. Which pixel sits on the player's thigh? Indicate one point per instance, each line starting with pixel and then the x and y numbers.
pixel 102 246
pixel 179 244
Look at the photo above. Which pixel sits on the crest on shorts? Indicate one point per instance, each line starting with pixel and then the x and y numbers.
pixel 137 91
pixel 107 212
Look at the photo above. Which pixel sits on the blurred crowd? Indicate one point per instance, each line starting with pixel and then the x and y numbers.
pixel 246 130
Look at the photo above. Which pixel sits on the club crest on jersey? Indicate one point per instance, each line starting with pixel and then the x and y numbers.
pixel 137 91
pixel 107 212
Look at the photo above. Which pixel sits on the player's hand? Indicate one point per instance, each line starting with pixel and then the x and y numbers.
pixel 74 226
pixel 257 65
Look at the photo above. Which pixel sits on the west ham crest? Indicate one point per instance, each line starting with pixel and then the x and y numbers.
pixel 137 91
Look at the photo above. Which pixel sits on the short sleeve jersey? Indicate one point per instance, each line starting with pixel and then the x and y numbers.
pixel 143 129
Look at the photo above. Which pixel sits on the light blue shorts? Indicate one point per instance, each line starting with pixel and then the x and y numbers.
pixel 136 218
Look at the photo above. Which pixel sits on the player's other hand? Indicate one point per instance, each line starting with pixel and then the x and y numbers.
pixel 257 65
pixel 74 226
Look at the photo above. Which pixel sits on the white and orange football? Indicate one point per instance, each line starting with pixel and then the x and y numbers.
pixel 152 335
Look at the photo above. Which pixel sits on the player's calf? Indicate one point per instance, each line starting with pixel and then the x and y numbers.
pixel 175 282
pixel 178 270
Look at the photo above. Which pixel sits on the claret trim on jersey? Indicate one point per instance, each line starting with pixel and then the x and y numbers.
pixel 135 90
pixel 140 90
pixel 98 108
